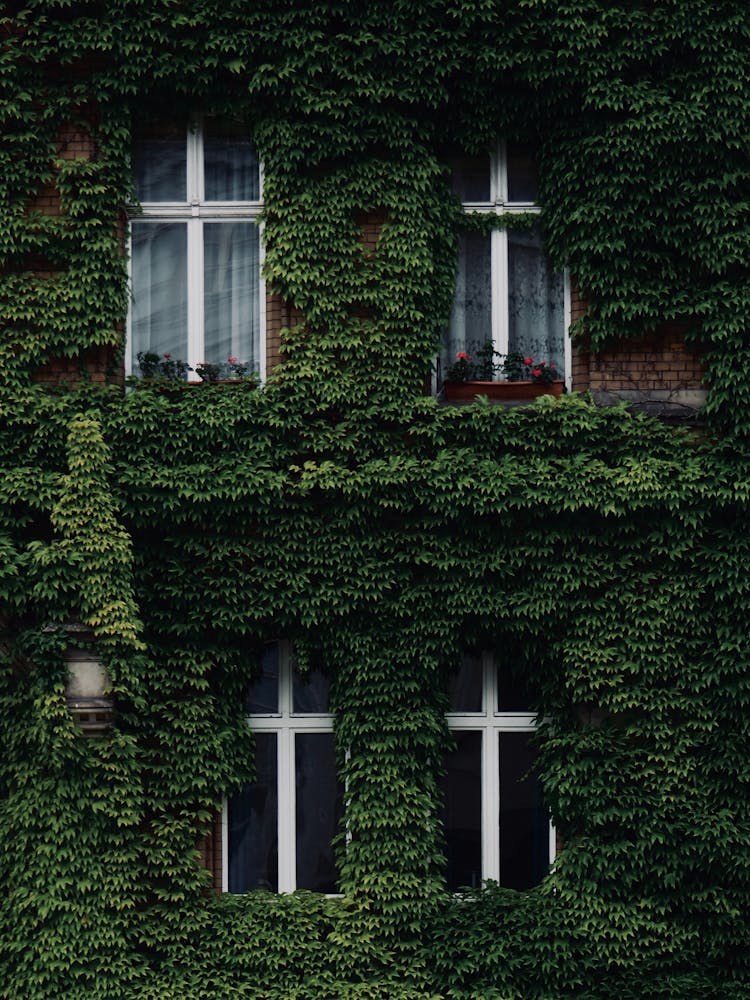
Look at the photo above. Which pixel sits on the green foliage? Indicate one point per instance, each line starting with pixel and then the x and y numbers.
pixel 379 532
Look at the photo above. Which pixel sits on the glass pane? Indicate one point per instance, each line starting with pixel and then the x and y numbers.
pixel 253 824
pixel 310 693
pixel 536 308
pixel 231 164
pixel 231 292
pixel 318 810
pixel 470 178
pixel 462 817
pixel 263 694
pixel 512 691
pixel 522 176
pixel 159 307
pixel 471 318
pixel 524 821
pixel 161 168
pixel 465 686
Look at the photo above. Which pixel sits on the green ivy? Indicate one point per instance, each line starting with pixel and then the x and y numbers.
pixel 379 532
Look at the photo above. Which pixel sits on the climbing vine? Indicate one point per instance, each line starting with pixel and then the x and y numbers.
pixel 382 534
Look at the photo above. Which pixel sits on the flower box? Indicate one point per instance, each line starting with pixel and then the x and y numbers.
pixel 466 392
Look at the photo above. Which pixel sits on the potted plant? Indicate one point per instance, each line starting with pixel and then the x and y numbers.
pixel 521 377
pixel 231 370
pixel 161 367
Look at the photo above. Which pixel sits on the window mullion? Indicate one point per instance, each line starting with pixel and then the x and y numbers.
pixel 500 290
pixel 490 803
pixel 195 291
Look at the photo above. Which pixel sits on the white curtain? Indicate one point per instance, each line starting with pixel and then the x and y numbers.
pixel 231 293
pixel 231 169
pixel 536 313
pixel 159 270
pixel 470 323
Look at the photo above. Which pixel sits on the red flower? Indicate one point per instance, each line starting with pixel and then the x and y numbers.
pixel 167 356
pixel 232 361
pixel 462 356
pixel 528 361
pixel 536 372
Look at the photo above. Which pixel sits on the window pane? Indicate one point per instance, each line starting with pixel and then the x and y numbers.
pixel 161 168
pixel 231 292
pixel 522 177
pixel 471 318
pixel 462 785
pixel 159 308
pixel 318 810
pixel 524 821
pixel 263 694
pixel 231 164
pixel 310 693
pixel 253 824
pixel 470 178
pixel 465 686
pixel 535 301
pixel 512 691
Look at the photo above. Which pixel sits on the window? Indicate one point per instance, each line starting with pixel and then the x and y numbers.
pixel 506 289
pixel 195 247
pixel 279 829
pixel 496 824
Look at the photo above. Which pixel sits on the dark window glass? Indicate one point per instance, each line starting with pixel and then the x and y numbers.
pixel 512 691
pixel 253 824
pixel 524 821
pixel 470 178
pixel 230 163
pixel 462 786
pixel 263 693
pixel 310 693
pixel 161 167
pixel 465 686
pixel 522 175
pixel 318 811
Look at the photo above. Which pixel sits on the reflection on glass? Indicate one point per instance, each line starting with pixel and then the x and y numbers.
pixel 263 694
pixel 230 163
pixel 522 176
pixel 253 825
pixel 159 270
pixel 471 317
pixel 161 168
pixel 465 686
pixel 470 178
pixel 524 822
pixel 318 810
pixel 536 315
pixel 462 820
pixel 310 693
pixel 231 304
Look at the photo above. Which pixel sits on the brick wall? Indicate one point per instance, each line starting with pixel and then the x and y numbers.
pixel 210 851
pixel 658 372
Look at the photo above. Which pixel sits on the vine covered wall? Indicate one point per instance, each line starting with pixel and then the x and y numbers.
pixel 602 553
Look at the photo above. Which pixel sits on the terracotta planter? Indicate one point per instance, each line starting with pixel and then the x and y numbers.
pixel 466 392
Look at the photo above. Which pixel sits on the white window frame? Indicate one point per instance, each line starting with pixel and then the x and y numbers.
pixel 194 213
pixel 490 722
pixel 285 724
pixel 500 205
